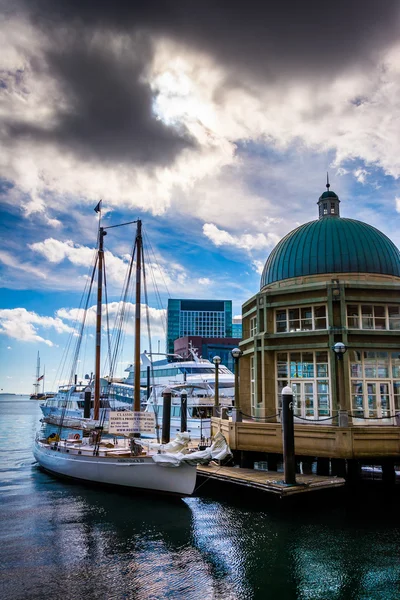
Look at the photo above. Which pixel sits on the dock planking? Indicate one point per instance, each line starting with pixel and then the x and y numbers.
pixel 270 482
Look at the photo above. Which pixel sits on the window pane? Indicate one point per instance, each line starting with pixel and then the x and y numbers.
pixel 394 317
pixel 366 317
pixel 385 399
pixel 282 365
pixel 281 326
pixel 395 364
pixel 357 394
pixel 295 364
pixel 323 399
pixel 319 311
pixel 352 316
pixel 380 323
pixel 308 364
pixel 322 370
pixel 306 313
pixel 294 320
pixel 296 387
pixel 383 366
pixel 396 392
pixel 379 311
pixel 321 357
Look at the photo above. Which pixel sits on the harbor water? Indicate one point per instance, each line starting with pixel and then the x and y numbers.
pixel 63 540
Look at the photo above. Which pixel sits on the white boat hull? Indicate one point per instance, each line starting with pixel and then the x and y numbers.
pixel 135 472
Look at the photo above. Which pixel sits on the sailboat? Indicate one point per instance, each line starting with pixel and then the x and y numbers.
pixel 118 462
pixel 37 395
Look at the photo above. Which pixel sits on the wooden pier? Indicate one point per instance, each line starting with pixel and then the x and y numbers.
pixel 270 482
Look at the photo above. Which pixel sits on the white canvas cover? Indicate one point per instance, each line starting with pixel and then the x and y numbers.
pixel 218 450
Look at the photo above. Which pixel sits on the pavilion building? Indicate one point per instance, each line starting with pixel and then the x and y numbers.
pixel 330 280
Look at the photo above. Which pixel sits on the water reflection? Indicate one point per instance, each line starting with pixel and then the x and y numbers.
pixel 70 541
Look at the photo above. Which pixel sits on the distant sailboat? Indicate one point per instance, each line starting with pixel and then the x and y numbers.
pixel 36 394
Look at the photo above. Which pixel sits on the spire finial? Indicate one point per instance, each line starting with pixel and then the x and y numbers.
pixel 328 185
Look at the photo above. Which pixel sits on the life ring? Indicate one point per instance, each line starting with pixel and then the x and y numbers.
pixel 77 436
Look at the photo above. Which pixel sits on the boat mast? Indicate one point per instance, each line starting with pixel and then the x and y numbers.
pixel 100 255
pixel 36 384
pixel 136 383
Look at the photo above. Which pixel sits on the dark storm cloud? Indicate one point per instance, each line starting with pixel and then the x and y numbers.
pixel 263 37
pixel 109 112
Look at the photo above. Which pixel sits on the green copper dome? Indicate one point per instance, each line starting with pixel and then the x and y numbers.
pixel 328 194
pixel 331 245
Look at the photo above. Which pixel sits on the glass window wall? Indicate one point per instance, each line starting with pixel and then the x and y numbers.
pixel 375 383
pixel 307 373
pixel 307 318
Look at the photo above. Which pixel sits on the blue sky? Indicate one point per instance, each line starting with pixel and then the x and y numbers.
pixel 219 152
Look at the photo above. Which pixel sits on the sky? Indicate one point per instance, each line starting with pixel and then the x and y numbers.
pixel 213 122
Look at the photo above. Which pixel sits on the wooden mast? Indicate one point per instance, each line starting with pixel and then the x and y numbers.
pixel 136 383
pixel 96 414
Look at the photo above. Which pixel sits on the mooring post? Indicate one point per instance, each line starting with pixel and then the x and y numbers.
pixel 87 403
pixel 289 459
pixel 148 384
pixel 183 412
pixel 166 418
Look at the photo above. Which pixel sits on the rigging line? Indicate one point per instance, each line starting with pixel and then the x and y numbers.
pixel 229 460
pixel 154 283
pixel 62 367
pixel 157 263
pixel 107 318
pixel 150 345
pixel 156 289
pixel 120 224
pixel 122 309
pixel 77 348
pixel 116 320
pixel 120 318
pixel 150 252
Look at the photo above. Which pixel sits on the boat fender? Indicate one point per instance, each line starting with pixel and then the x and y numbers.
pixel 77 436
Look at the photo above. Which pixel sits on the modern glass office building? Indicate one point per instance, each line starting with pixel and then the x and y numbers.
pixel 203 318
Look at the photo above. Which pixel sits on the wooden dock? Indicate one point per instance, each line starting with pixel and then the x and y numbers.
pixel 268 481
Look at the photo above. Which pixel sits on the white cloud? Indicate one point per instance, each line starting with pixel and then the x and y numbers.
pixel 247 241
pixel 11 261
pixel 397 204
pixel 204 281
pixel 258 266
pixel 157 319
pixel 23 325
pixel 8 347
pixel 361 175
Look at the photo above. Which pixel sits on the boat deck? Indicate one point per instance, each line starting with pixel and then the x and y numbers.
pixel 268 481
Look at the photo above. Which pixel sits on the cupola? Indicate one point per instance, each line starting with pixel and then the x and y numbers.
pixel 328 203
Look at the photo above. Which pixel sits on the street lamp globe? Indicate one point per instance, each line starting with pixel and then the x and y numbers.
pixel 236 353
pixel 217 360
pixel 339 348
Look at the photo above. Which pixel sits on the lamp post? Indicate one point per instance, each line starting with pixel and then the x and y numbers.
pixel 217 362
pixel 340 349
pixel 237 353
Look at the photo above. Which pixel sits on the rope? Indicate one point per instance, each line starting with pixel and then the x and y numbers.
pixel 316 420
pixel 254 417
pixel 208 478
pixel 372 418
